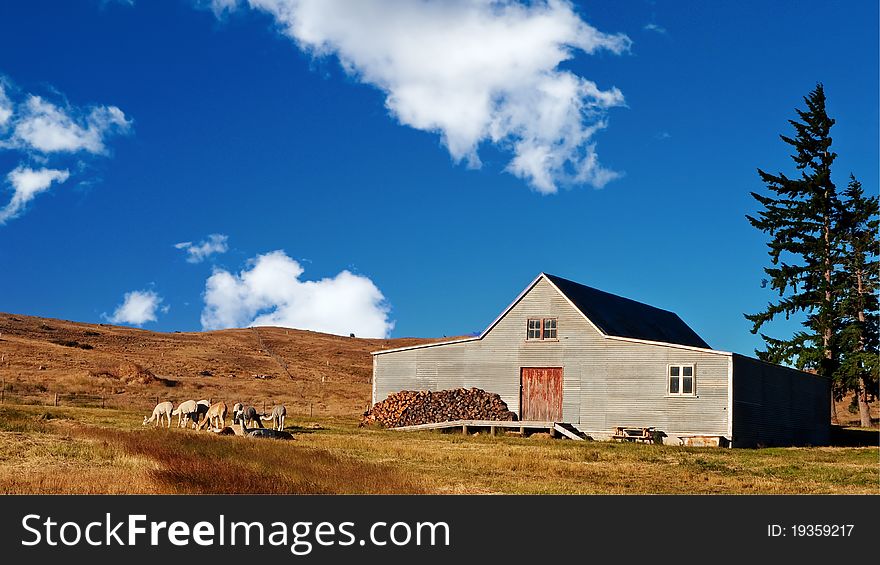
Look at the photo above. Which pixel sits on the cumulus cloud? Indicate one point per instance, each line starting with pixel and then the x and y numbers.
pixel 138 307
pixel 54 135
pixel 26 184
pixel 198 252
pixel 473 71
pixel 47 128
pixel 270 292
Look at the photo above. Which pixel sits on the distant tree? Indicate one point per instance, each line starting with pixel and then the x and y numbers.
pixel 860 353
pixel 801 215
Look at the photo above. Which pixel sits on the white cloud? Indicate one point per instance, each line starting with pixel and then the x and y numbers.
pixel 5 107
pixel 196 253
pixel 46 128
pixel 39 131
pixel 26 184
pixel 472 71
pixel 269 292
pixel 655 28
pixel 138 307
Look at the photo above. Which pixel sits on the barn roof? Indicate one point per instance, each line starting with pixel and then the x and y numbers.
pixel 621 317
pixel 613 316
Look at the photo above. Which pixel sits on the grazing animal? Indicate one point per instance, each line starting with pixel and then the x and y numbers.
pixel 161 409
pixel 264 432
pixel 202 407
pixel 187 410
pixel 215 417
pixel 279 413
pixel 245 415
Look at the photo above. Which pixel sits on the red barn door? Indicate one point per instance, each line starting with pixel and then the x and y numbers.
pixel 541 394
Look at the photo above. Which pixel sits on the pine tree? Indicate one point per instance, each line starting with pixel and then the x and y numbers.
pixel 801 215
pixel 860 353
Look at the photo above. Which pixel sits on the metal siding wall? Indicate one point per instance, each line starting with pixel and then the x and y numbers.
pixel 774 405
pixel 606 383
pixel 636 389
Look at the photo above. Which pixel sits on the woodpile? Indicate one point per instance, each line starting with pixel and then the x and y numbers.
pixel 409 408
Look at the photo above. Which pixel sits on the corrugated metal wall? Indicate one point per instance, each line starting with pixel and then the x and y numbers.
pixel 606 383
pixel 773 405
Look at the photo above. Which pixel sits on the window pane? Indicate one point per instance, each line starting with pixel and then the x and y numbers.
pixel 673 371
pixel 673 385
pixel 534 331
pixel 549 328
pixel 687 385
pixel 687 371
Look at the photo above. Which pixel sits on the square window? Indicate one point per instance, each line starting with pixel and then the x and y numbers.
pixel 681 380
pixel 549 328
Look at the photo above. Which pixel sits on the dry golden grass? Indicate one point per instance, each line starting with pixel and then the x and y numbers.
pixel 92 450
pixel 322 373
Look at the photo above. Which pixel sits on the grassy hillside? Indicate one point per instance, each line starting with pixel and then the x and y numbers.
pixel 305 370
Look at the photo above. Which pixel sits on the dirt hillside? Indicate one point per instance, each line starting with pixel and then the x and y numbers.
pixel 129 367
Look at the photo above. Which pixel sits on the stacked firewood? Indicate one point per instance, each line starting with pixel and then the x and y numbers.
pixel 409 408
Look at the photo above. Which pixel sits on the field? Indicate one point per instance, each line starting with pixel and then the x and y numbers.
pixel 79 447
pixel 307 371
pixel 87 450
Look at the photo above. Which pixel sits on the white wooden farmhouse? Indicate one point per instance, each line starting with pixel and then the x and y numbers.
pixel 565 352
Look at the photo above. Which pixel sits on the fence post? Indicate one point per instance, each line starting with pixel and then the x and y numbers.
pixel 56 399
pixel 310 409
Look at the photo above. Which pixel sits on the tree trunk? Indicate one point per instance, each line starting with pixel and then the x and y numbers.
pixel 862 385
pixel 864 407
pixel 827 315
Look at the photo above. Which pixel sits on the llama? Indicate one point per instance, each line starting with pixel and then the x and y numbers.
pixel 279 413
pixel 264 432
pixel 245 415
pixel 187 410
pixel 161 409
pixel 215 417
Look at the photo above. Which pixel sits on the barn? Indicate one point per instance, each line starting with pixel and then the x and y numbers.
pixel 569 353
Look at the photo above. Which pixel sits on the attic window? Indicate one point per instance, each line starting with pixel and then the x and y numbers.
pixel 681 380
pixel 539 329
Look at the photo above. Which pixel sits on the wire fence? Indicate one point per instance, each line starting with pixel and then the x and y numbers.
pixel 79 400
pixel 141 403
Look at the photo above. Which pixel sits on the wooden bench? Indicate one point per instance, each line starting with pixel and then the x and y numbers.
pixel 639 435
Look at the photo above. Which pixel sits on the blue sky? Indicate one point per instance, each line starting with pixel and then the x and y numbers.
pixel 195 121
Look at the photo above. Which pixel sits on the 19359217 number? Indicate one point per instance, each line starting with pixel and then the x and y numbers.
pixel 822 530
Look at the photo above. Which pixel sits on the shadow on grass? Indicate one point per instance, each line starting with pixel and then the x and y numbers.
pixel 854 437
pixel 189 463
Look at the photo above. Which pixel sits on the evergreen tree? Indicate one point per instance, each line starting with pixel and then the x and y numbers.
pixel 800 215
pixel 860 353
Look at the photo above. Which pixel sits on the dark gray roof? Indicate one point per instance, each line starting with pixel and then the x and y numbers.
pixel 622 317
